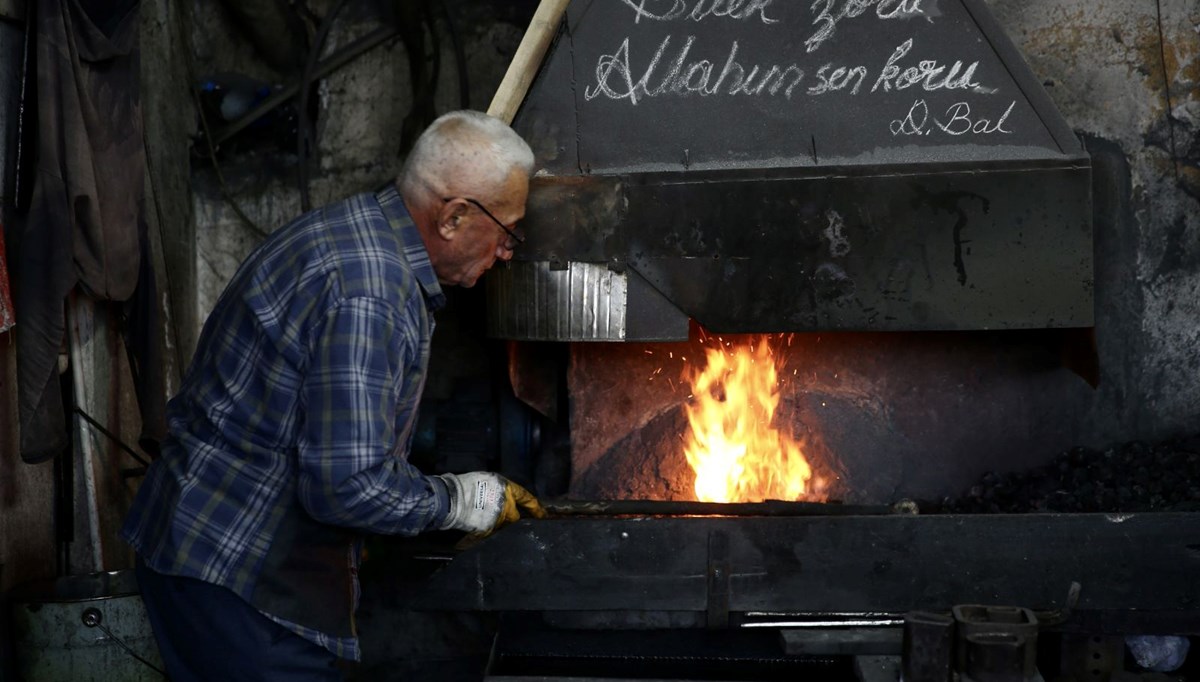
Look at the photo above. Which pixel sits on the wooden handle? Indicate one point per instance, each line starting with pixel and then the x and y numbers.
pixel 528 58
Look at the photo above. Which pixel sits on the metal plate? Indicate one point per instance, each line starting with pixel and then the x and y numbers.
pixel 1142 565
pixel 943 249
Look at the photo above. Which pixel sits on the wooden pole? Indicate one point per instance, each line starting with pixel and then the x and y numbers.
pixel 528 58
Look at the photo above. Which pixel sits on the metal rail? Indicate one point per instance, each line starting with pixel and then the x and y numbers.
pixel 684 508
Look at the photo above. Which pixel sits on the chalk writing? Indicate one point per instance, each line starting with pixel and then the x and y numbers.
pixel 700 9
pixel 672 69
pixel 675 74
pixel 914 122
pixel 958 120
pixel 838 79
pixel 928 73
pixel 684 65
pixel 839 244
pixel 833 11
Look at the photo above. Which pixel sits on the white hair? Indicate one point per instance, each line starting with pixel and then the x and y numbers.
pixel 461 148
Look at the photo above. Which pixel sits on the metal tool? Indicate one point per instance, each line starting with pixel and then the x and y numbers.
pixel 687 508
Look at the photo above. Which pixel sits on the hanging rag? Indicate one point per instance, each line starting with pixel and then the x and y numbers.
pixel 6 306
pixel 82 226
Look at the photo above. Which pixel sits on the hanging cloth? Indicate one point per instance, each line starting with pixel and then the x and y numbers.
pixel 82 226
pixel 6 306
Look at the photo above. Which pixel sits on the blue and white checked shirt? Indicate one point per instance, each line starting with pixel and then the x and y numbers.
pixel 305 385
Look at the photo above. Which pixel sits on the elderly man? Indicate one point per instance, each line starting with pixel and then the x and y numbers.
pixel 289 436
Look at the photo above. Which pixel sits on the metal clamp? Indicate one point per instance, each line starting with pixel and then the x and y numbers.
pixel 996 643
pixel 928 647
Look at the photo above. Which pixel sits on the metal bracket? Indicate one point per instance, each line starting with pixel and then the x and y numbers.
pixel 996 642
pixel 718 580
pixel 928 647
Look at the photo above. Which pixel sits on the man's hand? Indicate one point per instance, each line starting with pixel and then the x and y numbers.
pixel 482 502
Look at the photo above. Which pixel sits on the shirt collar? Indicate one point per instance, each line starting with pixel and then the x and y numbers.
pixel 414 248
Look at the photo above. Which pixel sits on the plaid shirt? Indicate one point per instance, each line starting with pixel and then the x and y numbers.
pixel 304 386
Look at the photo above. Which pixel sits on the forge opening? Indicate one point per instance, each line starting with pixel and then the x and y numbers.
pixel 724 427
pixel 957 422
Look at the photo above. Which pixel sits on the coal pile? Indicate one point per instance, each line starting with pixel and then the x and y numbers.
pixel 1132 477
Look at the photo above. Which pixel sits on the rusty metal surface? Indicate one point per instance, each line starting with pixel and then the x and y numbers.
pixel 1138 567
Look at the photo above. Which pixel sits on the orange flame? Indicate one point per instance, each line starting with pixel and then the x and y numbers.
pixel 736 453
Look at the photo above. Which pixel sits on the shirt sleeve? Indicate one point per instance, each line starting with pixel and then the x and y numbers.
pixel 352 469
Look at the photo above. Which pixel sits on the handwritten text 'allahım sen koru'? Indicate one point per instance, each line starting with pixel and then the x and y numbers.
pixel 681 66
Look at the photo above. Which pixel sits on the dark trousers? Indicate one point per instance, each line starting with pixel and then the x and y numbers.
pixel 206 632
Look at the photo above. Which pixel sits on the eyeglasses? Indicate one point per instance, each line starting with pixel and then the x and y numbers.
pixel 510 231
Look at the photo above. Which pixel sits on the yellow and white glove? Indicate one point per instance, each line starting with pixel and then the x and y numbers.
pixel 482 502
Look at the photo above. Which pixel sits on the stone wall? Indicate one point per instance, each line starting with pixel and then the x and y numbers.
pixel 1126 76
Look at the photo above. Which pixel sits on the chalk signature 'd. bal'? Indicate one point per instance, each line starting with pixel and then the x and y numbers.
pixel 959 119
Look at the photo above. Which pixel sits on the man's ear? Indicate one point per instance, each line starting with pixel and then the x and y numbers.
pixel 450 218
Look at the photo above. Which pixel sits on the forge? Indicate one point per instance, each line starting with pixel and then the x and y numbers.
pixel 802 323
pixel 727 429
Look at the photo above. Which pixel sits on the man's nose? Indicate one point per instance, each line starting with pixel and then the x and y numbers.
pixel 503 253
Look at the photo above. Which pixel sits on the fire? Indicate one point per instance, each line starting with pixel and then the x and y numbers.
pixel 737 454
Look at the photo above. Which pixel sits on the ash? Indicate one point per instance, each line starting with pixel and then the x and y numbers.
pixel 1131 477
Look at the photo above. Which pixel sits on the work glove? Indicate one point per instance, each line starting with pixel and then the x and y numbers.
pixel 482 502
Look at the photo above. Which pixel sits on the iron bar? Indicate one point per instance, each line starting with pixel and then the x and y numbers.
pixel 686 508
pixel 820 621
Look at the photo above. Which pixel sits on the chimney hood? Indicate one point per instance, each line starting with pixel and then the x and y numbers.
pixel 780 165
